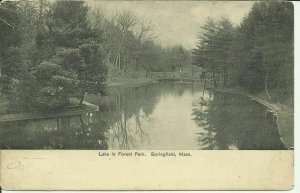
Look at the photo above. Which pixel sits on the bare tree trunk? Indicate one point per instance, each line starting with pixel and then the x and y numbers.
pixel 115 61
pixel 224 76
pixel 82 97
pixel 124 65
pixel 41 10
pixel 119 61
pixel 214 78
pixel 58 124
pixel 68 97
pixel 108 58
pixel 204 87
pixel 82 122
pixel 266 85
pixel 0 66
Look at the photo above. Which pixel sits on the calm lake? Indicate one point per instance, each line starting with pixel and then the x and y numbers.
pixel 163 116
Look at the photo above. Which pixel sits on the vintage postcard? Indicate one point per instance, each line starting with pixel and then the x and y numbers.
pixel 146 95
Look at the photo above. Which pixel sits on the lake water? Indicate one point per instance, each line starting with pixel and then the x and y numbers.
pixel 163 116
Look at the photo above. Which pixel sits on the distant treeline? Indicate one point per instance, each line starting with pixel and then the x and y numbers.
pixel 257 55
pixel 53 51
pixel 131 45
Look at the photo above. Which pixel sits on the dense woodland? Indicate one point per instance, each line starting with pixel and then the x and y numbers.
pixel 52 52
pixel 257 55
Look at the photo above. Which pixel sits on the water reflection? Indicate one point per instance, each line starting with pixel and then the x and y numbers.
pixel 124 136
pixel 160 116
pixel 136 120
pixel 235 122
pixel 78 132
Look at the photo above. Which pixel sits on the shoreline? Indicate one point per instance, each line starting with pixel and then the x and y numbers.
pixel 76 110
pixel 132 83
pixel 284 114
pixel 67 112
pixel 147 81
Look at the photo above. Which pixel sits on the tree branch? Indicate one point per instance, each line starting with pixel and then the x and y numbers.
pixel 7 23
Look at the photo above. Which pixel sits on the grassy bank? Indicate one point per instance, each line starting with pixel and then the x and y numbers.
pixel 284 113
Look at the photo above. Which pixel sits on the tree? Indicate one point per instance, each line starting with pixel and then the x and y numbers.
pixel 206 51
pixel 17 37
pixel 51 54
pixel 124 37
pixel 268 31
pixel 46 87
pixel 93 74
pixel 10 38
pixel 264 59
pixel 80 50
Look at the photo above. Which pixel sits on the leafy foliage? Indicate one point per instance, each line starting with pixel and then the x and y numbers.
pixel 257 55
pixel 57 57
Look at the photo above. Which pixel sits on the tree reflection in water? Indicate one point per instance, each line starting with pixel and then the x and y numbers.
pixel 141 118
pixel 126 136
pixel 234 122
pixel 78 132
pixel 121 113
pixel 125 114
pixel 128 112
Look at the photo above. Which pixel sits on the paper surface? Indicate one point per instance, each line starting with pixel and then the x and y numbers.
pixel 203 170
pixel 159 117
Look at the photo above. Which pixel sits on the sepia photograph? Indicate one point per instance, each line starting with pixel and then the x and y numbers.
pixel 147 95
pixel 146 75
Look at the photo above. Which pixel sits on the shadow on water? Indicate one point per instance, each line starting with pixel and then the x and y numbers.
pixel 91 130
pixel 167 115
pixel 235 122
pixel 78 132
pixel 127 112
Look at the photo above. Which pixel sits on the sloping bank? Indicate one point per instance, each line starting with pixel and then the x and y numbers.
pixel 284 114
pixel 66 112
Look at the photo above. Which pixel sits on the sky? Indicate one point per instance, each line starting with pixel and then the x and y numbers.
pixel 177 22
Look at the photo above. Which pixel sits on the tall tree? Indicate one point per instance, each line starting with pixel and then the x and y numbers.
pixel 82 52
pixel 264 59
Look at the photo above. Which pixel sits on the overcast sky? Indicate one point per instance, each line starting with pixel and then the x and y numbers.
pixel 177 22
